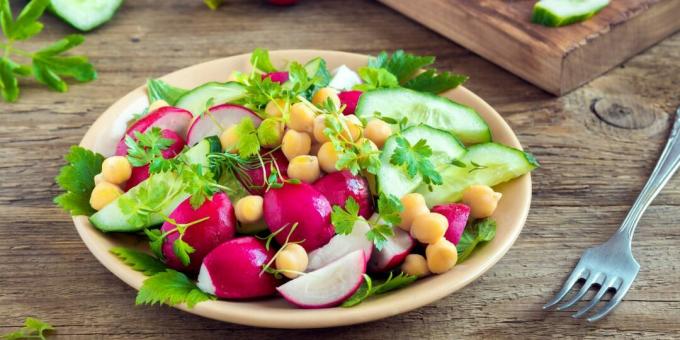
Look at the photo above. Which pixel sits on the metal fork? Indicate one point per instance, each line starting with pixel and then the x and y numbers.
pixel 611 265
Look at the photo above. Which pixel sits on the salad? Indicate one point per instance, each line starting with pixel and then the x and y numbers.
pixel 322 187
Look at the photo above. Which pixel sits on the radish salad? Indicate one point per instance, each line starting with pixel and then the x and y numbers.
pixel 323 187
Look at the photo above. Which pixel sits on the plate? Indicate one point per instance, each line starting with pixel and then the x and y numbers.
pixel 276 313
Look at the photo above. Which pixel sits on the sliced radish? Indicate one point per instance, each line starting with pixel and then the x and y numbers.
pixel 350 99
pixel 165 118
pixel 276 77
pixel 457 214
pixel 341 245
pixel 220 117
pixel 344 78
pixel 393 253
pixel 328 286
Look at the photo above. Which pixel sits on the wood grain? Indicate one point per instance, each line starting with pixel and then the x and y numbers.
pixel 597 146
pixel 555 59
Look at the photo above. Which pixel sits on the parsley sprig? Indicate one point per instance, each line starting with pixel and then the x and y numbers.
pixel 33 329
pixel 77 180
pixel 147 148
pixel 416 160
pixel 47 65
pixel 368 288
pixel 381 228
pixel 479 232
pixel 180 247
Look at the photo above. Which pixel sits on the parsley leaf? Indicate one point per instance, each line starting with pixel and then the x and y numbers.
pixel 374 78
pixel 213 4
pixel 389 208
pixel 33 329
pixel 343 219
pixel 260 60
pixel 480 232
pixel 379 234
pixel 147 148
pixel 77 180
pixel 381 228
pixel 139 261
pixel 182 250
pixel 248 144
pixel 401 64
pixel 415 159
pixel 368 288
pixel 429 81
pixel 171 288
pixel 159 90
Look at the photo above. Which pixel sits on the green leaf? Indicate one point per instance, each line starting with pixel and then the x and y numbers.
pixel 260 60
pixel 33 329
pixel 26 23
pixel 248 144
pixel 415 160
pixel 182 250
pixel 160 90
pixel 344 219
pixel 28 31
pixel 156 239
pixel 403 65
pixel 48 77
pixel 64 44
pixel 480 232
pixel 6 20
pixel 370 288
pixel 77 180
pixel 147 148
pixel 389 208
pixel 213 4
pixel 76 67
pixel 139 261
pixel 171 288
pixel 429 81
pixel 374 78
pixel 8 81
pixel 379 235
pixel 361 294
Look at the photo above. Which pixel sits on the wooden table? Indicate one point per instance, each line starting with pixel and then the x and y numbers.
pixel 597 146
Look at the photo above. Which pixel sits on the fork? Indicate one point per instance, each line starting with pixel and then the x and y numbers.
pixel 611 265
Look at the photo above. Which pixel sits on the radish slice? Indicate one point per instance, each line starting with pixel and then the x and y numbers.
pixel 165 118
pixel 393 252
pixel 350 99
pixel 276 77
pixel 328 286
pixel 225 115
pixel 341 245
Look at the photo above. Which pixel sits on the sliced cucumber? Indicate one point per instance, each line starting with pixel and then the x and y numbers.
pixel 317 68
pixel 195 100
pixel 556 13
pixel 394 180
pixel 85 14
pixel 488 163
pixel 113 219
pixel 425 108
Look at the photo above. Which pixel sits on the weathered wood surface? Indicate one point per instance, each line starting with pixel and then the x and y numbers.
pixel 597 146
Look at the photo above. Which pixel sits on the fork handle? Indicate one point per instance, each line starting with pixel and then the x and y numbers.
pixel 668 163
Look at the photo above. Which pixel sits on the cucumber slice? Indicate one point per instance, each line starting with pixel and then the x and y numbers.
pixel 425 108
pixel 194 101
pixel 85 14
pixel 113 219
pixel 497 164
pixel 317 68
pixel 394 180
pixel 555 13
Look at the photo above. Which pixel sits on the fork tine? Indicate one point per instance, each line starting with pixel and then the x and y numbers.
pixel 594 278
pixel 603 290
pixel 620 293
pixel 576 274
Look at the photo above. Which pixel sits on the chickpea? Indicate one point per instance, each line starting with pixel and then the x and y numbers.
pixel 157 105
pixel 354 126
pixel 116 169
pixel 481 199
pixel 229 139
pixel 378 131
pixel 295 144
pixel 415 264
pixel 301 118
pixel 103 194
pixel 429 228
pixel 291 260
pixel 414 205
pixel 304 168
pixel 249 209
pixel 441 256
pixel 276 108
pixel 328 157
pixel 323 94
pixel 98 178
pixel 319 126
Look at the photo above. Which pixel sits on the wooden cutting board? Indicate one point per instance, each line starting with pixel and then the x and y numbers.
pixel 555 59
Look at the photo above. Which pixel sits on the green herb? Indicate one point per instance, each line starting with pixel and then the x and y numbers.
pixel 171 288
pixel 354 156
pixel 430 81
pixel 476 166
pixel 401 64
pixel 139 261
pixel 47 65
pixel 368 288
pixel 181 248
pixel 213 4
pixel 343 219
pixel 33 329
pixel 248 144
pixel 480 232
pixel 374 78
pixel 260 60
pixel 416 160
pixel 147 148
pixel 150 197
pixel 458 163
pixel 159 90
pixel 381 228
pixel 77 180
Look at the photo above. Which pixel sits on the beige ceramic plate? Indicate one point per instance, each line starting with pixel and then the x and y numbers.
pixel 275 312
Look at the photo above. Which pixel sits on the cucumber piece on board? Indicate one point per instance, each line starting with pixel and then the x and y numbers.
pixel 555 13
pixel 85 15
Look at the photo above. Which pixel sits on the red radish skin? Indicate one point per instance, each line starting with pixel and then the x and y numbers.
pixel 221 117
pixel 339 186
pixel 350 100
pixel 166 118
pixel 302 204
pixel 393 253
pixel 233 270
pixel 276 77
pixel 254 179
pixel 341 245
pixel 204 236
pixel 141 173
pixel 457 214
pixel 328 286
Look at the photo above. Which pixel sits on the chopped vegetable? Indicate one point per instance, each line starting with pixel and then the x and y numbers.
pixel 480 232
pixel 557 13
pixel 171 288
pixel 77 180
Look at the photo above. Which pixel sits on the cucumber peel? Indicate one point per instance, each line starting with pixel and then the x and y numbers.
pixel 85 15
pixel 555 13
